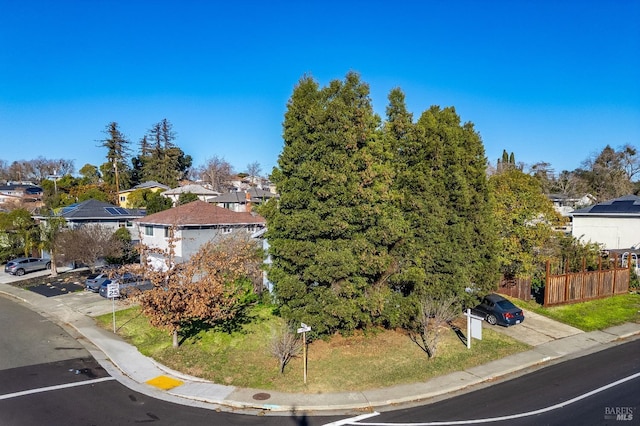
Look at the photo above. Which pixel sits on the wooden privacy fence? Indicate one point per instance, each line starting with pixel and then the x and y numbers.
pixel 586 285
pixel 515 287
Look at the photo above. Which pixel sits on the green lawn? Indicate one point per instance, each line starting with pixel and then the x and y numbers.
pixel 593 315
pixel 363 361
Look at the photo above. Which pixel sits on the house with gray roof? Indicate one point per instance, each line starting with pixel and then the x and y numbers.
pixel 614 224
pixel 200 191
pixel 151 185
pixel 242 201
pixel 99 212
pixel 27 194
pixel 195 224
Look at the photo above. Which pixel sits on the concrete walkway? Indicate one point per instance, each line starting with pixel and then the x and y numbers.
pixel 551 341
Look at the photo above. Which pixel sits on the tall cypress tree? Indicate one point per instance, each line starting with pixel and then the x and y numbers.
pixel 442 176
pixel 163 161
pixel 331 234
pixel 116 170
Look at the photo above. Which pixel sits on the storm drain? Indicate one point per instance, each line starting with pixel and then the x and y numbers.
pixel 261 396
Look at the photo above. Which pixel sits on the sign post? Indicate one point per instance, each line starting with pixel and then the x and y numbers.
pixel 474 327
pixel 303 329
pixel 113 291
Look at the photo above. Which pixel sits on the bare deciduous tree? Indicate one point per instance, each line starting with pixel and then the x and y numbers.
pixel 253 170
pixel 88 244
pixel 434 315
pixel 285 344
pixel 216 172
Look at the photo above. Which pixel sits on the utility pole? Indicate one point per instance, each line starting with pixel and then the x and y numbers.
pixel 115 167
pixel 55 178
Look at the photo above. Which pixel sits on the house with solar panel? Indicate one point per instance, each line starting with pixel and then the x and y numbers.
pixel 614 224
pixel 100 213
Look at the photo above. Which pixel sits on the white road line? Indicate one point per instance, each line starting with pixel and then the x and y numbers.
pixel 51 388
pixel 354 420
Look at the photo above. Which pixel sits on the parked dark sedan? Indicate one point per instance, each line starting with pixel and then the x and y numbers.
pixel 128 285
pixel 497 310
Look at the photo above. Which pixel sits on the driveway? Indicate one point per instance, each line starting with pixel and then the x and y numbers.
pixel 8 278
pixel 536 329
pixel 85 302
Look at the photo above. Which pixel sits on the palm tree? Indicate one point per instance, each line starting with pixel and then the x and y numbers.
pixel 50 229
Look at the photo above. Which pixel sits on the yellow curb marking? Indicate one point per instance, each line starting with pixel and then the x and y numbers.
pixel 164 382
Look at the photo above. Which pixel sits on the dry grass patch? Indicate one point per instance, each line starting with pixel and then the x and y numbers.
pixel 376 359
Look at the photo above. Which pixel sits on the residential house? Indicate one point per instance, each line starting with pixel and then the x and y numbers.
pixel 242 201
pixel 194 224
pixel 565 204
pixel 25 195
pixel 151 185
pixel 200 191
pixel 101 213
pixel 615 224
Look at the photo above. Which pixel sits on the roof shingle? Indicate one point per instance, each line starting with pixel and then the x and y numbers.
pixel 200 213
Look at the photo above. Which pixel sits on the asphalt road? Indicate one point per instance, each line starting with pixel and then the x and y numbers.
pixel 48 378
pixel 540 398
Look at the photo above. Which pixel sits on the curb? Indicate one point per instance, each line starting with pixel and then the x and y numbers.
pixel 199 392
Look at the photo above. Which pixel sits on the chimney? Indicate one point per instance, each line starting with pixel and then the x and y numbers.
pixel 248 199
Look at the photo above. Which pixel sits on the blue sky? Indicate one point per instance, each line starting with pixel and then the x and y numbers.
pixel 552 81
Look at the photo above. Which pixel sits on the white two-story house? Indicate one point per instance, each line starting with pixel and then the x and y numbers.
pixel 193 225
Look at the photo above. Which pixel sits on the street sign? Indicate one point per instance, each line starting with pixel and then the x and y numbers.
pixel 113 290
pixel 304 328
pixel 474 327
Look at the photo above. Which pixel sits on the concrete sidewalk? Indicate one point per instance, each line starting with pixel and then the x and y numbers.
pixel 553 342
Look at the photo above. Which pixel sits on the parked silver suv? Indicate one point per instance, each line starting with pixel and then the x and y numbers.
pixel 26 264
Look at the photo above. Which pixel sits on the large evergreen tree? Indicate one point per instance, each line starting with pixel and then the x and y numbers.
pixel 334 227
pixel 445 197
pixel 607 174
pixel 116 170
pixel 163 161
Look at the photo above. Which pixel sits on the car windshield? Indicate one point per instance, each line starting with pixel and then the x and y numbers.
pixel 505 304
pixel 93 276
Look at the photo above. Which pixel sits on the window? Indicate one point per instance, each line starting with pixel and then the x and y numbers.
pixel 129 224
pixel 148 230
pixel 123 198
pixel 167 232
pixel 227 230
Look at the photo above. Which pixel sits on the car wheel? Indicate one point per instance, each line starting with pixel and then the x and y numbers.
pixel 491 319
pixel 20 272
pixel 48 265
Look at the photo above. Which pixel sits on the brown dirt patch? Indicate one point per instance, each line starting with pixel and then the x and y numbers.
pixel 70 277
